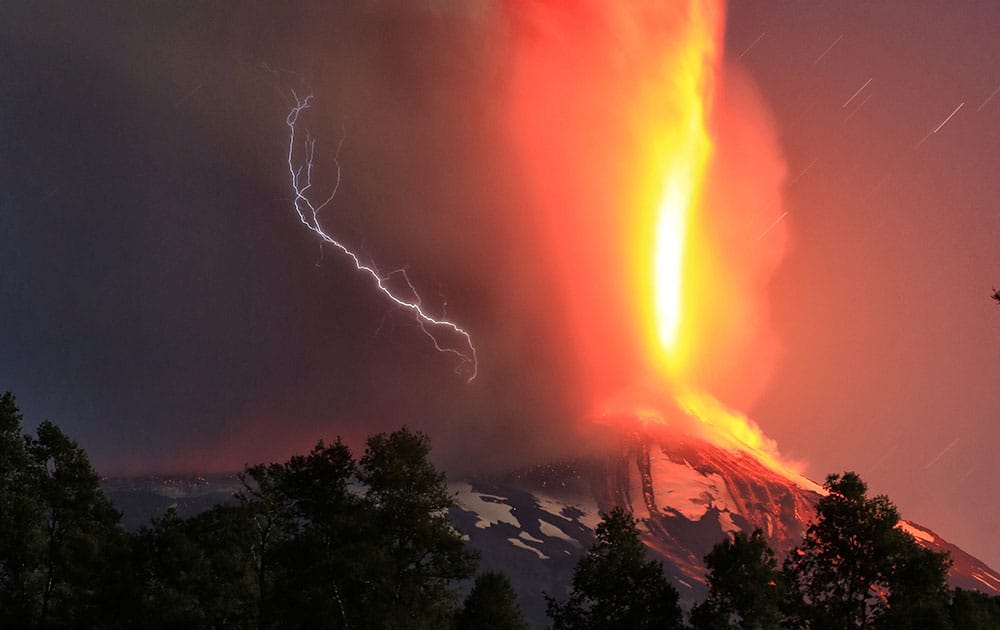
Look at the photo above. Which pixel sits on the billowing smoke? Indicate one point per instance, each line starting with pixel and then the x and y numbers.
pixel 504 153
pixel 509 157
pixel 746 236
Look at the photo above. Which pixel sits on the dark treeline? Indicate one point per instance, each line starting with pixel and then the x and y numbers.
pixel 321 541
pixel 327 540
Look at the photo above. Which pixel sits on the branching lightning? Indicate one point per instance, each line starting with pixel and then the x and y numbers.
pixel 300 168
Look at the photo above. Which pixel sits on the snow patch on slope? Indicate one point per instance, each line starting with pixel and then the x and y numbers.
pixel 530 538
pixel 550 530
pixel 686 490
pixel 489 508
pixel 727 523
pixel 517 542
pixel 584 512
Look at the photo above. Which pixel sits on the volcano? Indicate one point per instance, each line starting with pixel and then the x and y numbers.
pixel 688 494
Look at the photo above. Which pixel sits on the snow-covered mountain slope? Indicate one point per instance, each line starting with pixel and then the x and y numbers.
pixel 688 494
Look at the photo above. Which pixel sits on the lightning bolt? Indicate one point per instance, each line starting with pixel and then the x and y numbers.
pixel 308 211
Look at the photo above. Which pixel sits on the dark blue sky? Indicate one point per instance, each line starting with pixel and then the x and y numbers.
pixel 161 303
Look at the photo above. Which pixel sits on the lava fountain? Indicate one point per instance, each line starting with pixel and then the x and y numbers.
pixel 655 171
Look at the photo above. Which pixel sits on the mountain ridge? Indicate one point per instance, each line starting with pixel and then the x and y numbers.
pixel 534 523
pixel 687 493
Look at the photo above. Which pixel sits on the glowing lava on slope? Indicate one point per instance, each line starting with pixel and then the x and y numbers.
pixel 655 171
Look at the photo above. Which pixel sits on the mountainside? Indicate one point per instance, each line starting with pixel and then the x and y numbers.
pixel 688 494
pixel 534 524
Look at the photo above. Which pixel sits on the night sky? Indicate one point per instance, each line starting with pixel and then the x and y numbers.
pixel 164 306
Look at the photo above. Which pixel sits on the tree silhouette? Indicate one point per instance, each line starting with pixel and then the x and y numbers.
pixel 302 522
pixel 744 586
pixel 492 604
pixel 972 610
pixel 79 525
pixel 336 543
pixel 614 586
pixel 197 572
pixel 417 553
pixel 20 514
pixel 919 593
pixel 855 569
pixel 63 556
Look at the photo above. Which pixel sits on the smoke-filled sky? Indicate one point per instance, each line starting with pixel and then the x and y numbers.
pixel 162 303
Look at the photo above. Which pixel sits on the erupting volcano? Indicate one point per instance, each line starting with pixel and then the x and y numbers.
pixel 659 180
pixel 655 186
